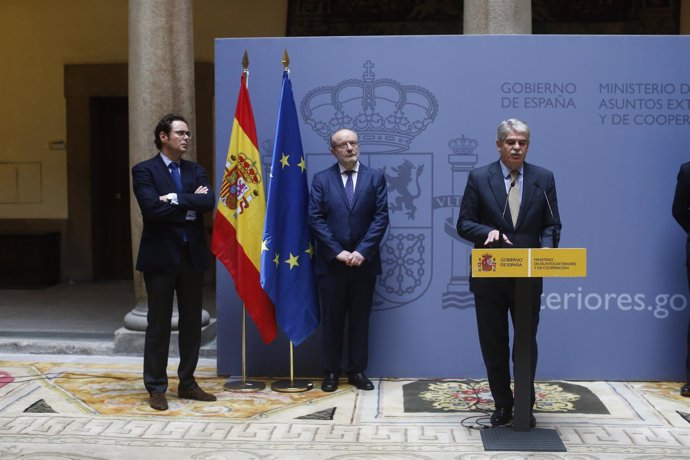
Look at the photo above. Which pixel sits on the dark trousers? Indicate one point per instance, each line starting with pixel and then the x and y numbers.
pixel 687 356
pixel 160 287
pixel 346 296
pixel 494 300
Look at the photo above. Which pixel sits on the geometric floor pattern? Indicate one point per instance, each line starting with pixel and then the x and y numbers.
pixel 98 410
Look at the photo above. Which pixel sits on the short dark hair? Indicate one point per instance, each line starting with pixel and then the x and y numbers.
pixel 165 125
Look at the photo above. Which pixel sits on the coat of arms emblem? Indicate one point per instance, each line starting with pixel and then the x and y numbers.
pixel 487 263
pixel 239 183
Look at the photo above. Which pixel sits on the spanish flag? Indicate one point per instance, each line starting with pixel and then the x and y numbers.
pixel 239 221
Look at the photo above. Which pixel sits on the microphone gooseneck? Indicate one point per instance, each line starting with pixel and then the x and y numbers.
pixel 503 214
pixel 555 230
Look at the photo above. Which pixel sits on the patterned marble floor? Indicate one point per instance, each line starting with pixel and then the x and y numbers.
pixel 59 407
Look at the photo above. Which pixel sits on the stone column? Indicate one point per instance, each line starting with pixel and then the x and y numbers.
pixel 684 17
pixel 497 17
pixel 161 80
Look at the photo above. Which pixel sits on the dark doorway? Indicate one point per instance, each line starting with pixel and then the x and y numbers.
pixel 112 239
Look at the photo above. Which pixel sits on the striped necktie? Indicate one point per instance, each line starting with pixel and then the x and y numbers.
pixel 514 197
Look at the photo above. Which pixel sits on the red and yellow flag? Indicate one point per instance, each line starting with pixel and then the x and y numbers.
pixel 239 221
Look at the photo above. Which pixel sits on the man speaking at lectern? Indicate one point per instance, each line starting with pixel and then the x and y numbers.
pixel 508 203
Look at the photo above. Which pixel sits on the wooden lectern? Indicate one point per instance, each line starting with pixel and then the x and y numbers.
pixel 522 264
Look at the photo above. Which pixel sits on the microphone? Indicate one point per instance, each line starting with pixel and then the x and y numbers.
pixel 556 226
pixel 503 215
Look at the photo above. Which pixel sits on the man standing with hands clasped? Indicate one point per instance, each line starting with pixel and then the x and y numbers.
pixel 507 203
pixel 172 194
pixel 348 216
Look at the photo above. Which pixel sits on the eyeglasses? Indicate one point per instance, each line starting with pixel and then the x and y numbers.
pixel 183 133
pixel 345 144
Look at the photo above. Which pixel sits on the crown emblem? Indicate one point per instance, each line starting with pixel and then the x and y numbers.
pixel 463 145
pixel 386 114
pixel 247 169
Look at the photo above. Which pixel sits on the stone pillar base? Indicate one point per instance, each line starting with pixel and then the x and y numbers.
pixel 128 342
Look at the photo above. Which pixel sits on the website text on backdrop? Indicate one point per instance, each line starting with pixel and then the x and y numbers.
pixel 507 203
pixel 172 194
pixel 348 216
pixel 238 225
pixel 681 212
pixel 287 255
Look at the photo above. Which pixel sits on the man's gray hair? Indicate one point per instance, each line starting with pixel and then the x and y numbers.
pixel 512 124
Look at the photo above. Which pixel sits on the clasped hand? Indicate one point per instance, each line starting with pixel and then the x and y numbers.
pixel 351 259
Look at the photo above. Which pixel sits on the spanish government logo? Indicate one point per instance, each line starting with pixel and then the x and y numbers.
pixel 487 263
pixel 387 115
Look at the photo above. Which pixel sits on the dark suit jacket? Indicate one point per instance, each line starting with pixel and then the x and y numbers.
pixel 337 228
pixel 485 198
pixel 681 204
pixel 164 224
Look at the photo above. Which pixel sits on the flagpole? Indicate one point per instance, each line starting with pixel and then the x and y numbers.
pixel 292 385
pixel 244 384
pixel 287 130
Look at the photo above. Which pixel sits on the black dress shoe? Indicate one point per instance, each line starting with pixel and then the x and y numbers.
pixel 195 393
pixel 330 382
pixel 685 390
pixel 158 401
pixel 502 416
pixel 360 381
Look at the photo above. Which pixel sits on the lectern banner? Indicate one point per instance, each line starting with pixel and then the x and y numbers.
pixel 529 263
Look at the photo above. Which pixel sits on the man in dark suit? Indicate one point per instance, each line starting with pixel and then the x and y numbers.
pixel 172 194
pixel 681 212
pixel 348 216
pixel 511 203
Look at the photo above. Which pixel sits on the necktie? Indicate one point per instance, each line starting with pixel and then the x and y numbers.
pixel 175 173
pixel 349 188
pixel 514 197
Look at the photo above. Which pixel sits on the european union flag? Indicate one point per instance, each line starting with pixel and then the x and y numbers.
pixel 287 249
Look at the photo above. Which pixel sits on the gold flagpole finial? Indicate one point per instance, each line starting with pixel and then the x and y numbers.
pixel 286 59
pixel 245 61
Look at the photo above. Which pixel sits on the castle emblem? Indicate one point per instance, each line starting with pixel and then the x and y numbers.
pixel 240 183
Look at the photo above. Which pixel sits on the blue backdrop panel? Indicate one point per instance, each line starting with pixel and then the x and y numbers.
pixel 609 116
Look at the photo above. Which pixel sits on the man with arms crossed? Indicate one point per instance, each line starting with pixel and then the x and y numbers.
pixel 172 194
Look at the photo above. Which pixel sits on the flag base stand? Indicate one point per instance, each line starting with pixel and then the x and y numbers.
pixel 244 385
pixel 292 386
